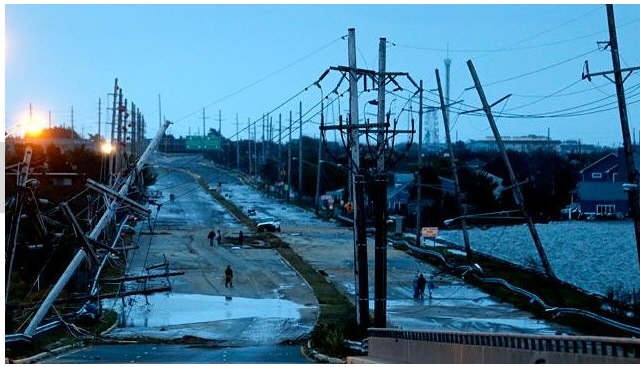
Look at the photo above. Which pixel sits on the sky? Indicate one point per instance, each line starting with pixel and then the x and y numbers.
pixel 173 61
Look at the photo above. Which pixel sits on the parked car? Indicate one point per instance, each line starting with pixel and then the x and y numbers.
pixel 268 224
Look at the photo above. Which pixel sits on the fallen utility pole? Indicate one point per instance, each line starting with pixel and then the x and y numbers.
pixel 517 194
pixel 632 172
pixel 81 255
pixel 461 208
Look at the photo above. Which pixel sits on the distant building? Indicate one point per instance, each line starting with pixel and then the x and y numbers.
pixel 577 147
pixel 600 190
pixel 65 144
pixel 527 144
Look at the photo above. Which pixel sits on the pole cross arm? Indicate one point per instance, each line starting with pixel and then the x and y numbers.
pixel 110 193
pixel 80 233
pixel 588 75
pixel 101 245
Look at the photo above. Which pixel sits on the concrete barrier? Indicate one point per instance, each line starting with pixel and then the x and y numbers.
pixel 407 346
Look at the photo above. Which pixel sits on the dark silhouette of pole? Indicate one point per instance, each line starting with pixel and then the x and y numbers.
pixel 380 200
pixel 517 194
pixel 300 157
pixel 419 198
pixel 632 172
pixel 461 208
pixel 359 229
pixel 289 155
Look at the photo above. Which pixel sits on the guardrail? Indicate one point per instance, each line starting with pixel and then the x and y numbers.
pixel 588 345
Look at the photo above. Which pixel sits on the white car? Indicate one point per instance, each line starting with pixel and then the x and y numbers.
pixel 268 224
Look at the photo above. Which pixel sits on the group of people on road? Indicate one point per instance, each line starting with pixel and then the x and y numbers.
pixel 419 284
pixel 213 236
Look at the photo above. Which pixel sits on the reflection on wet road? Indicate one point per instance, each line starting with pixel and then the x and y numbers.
pixel 226 320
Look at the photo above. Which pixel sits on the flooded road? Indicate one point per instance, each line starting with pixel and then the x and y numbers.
pixel 229 321
pixel 268 304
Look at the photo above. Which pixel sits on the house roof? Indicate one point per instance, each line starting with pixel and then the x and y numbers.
pixel 598 162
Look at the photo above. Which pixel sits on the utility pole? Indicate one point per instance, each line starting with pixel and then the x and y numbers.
pixel 114 146
pixel 159 111
pixel 262 157
pixel 319 168
pixel 359 228
pixel 50 119
pixel 517 194
pixel 380 200
pixel 249 145
pixel 300 157
pixel 30 114
pixel 419 198
pixel 461 207
pixel 204 133
pixel 132 148
pixel 220 126
pixel 289 155
pixel 82 254
pixel 237 143
pixel 72 127
pixel 99 116
pixel 632 172
pixel 280 147
pixel 119 149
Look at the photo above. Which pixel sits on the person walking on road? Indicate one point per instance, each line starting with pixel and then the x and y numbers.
pixel 228 277
pixel 431 286
pixel 421 283
pixel 240 238
pixel 219 237
pixel 415 286
pixel 210 236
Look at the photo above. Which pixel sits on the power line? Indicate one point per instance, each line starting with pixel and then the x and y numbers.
pixel 261 79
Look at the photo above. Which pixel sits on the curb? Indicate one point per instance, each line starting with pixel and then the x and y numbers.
pixel 42 355
pixel 311 353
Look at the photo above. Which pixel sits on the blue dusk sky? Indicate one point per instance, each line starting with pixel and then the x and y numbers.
pixel 253 59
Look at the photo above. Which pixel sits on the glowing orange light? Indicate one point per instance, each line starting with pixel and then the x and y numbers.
pixel 106 148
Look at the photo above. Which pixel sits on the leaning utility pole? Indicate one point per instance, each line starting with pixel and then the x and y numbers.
pixel 444 107
pixel 82 254
pixel 632 172
pixel 517 194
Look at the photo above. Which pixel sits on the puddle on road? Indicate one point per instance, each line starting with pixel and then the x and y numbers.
pixel 179 309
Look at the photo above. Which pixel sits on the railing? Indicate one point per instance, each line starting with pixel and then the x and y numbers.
pixel 592 345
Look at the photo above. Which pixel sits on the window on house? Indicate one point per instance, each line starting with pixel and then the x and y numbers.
pixel 596 175
pixel 605 209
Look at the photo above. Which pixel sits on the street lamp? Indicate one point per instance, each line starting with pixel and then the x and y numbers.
pixel 106 148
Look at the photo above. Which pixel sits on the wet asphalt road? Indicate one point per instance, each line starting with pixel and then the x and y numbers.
pixel 177 354
pixel 270 303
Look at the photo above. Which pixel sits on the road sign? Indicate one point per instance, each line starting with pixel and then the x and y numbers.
pixel 429 231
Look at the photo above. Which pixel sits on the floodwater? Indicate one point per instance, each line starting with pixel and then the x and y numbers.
pixel 594 255
pixel 229 320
